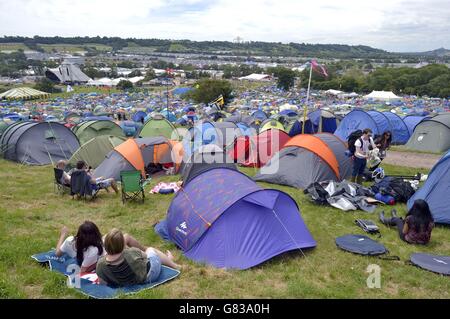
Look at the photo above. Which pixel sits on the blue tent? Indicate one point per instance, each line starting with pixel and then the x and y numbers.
pixel 170 116
pixel 180 91
pixel 130 128
pixel 289 113
pixel 317 121
pixel 221 134
pixel 436 191
pixel 359 120
pixel 245 129
pixel 260 115
pixel 12 116
pixel 139 116
pixel 235 224
pixel 400 132
pixel 411 122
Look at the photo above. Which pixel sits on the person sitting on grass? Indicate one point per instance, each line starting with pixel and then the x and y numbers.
pixel 417 226
pixel 123 266
pixel 87 245
pixel 99 182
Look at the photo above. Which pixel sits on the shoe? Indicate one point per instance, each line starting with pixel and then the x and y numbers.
pixel 383 219
pixel 394 213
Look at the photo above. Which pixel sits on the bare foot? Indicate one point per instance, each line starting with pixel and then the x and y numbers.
pixel 169 255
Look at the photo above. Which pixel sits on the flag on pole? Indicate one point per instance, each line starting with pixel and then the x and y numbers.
pixel 220 101
pixel 319 68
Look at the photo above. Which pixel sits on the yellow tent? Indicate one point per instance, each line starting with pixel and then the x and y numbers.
pixel 23 93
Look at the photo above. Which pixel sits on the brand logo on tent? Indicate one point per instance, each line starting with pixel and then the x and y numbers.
pixel 182 228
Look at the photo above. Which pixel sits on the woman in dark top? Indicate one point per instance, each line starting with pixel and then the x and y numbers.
pixel 383 142
pixel 417 226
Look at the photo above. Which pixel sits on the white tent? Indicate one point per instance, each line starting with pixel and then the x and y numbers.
pixel 256 77
pixel 67 73
pixel 333 92
pixel 113 82
pixel 288 106
pixel 382 95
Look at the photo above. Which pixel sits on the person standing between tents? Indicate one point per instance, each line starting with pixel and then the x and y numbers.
pixel 362 145
pixel 383 143
pixel 417 226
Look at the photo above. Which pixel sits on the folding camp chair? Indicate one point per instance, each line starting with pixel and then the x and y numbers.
pixel 81 186
pixel 132 185
pixel 59 187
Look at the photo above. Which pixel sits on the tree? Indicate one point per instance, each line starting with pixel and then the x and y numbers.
pixel 134 73
pixel 94 73
pixel 150 75
pixel 208 90
pixel 124 85
pixel 46 85
pixel 285 77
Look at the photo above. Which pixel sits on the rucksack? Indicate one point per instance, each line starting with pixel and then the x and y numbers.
pixel 351 140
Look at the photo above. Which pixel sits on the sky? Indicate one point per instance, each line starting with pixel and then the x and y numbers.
pixel 392 25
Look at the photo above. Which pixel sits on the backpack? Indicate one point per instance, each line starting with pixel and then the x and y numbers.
pixel 351 140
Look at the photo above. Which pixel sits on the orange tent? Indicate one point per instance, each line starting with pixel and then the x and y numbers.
pixel 138 153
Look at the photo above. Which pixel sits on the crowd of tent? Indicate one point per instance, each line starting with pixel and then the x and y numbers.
pixel 205 144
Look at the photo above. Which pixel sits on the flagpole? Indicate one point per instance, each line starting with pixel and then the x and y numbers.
pixel 305 108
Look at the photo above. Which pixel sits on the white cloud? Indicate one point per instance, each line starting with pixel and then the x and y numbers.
pixel 397 25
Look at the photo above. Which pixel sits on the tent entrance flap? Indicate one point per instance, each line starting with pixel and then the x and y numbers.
pixel 263 198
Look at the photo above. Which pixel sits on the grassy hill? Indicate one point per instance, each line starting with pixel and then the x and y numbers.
pixel 31 215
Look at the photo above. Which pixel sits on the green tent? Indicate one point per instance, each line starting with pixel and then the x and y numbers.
pixel 271 124
pixel 86 131
pixel 159 126
pixel 431 134
pixel 94 151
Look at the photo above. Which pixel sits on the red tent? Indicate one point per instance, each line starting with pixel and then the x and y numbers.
pixel 256 151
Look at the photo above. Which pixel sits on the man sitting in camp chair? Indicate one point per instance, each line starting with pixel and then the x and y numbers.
pixel 62 178
pixel 82 182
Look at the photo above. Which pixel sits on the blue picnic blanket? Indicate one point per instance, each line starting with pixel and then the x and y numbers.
pixel 87 283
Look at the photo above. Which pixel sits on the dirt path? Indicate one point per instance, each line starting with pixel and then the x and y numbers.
pixel 408 159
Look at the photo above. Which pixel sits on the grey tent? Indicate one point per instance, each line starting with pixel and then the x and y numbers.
pixel 67 73
pixel 38 143
pixel 431 134
pixel 305 159
pixel 207 157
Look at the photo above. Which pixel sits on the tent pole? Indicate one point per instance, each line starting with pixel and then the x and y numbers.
pixel 305 108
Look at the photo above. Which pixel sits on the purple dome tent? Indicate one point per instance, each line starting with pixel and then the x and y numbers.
pixel 236 223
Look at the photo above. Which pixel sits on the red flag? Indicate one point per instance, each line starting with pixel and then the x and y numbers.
pixel 318 68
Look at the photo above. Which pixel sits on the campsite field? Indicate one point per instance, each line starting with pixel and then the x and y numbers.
pixel 31 216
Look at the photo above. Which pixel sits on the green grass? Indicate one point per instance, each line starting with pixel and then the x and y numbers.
pixel 12 46
pixel 31 215
pixel 71 48
pixel 403 148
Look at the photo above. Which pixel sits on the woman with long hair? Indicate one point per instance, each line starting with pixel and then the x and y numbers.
pixel 417 226
pixel 383 143
pixel 87 245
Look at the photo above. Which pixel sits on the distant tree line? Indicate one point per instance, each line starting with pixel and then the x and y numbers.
pixel 252 47
pixel 432 80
